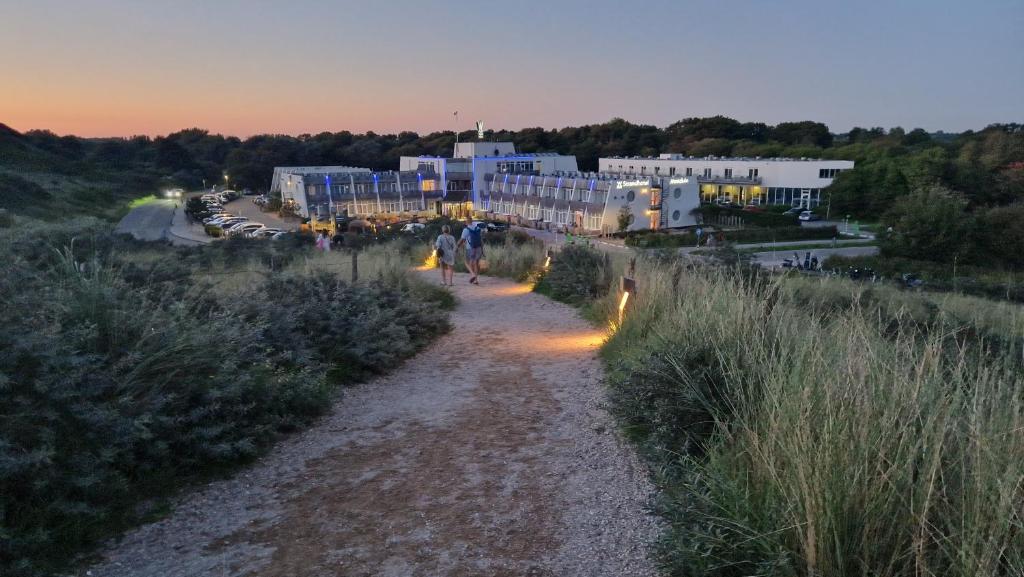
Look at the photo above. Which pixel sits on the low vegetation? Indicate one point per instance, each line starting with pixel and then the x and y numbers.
pixel 802 426
pixel 128 370
pixel 652 239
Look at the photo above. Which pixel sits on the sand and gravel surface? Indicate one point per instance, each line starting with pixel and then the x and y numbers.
pixel 490 453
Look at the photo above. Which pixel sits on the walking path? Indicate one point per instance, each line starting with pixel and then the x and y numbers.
pixel 488 454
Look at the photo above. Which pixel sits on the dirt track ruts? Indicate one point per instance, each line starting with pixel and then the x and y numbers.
pixel 487 454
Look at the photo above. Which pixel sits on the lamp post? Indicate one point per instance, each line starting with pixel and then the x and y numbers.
pixel 226 180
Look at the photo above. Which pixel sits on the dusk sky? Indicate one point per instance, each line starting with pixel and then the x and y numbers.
pixel 242 67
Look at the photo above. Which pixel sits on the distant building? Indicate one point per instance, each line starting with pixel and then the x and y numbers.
pixel 788 181
pixel 592 202
pixel 546 189
pixel 463 174
pixel 326 192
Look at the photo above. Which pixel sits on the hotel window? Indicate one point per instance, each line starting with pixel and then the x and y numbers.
pixel 632 170
pixel 657 169
pixel 752 173
pixel 643 170
pixel 707 173
pixel 689 171
pixel 828 172
pixel 728 173
pixel 672 171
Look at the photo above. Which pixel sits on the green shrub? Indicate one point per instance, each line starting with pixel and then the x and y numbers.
pixel 127 369
pixel 768 218
pixel 740 236
pixel 576 275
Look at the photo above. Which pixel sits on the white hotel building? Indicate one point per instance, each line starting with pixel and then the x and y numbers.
pixel 788 181
pixel 547 189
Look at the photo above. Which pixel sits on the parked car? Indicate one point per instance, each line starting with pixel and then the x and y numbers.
pixel 753 208
pixel 243 228
pixel 413 227
pixel 809 216
pixel 795 211
pixel 215 216
pixel 278 235
pixel 497 226
pixel 226 223
pixel 263 232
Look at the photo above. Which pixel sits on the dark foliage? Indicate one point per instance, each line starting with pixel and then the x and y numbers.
pixel 576 275
pixel 123 378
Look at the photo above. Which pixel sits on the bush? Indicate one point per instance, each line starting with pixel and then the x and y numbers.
pixel 745 236
pixel 127 370
pixel 577 274
pixel 768 218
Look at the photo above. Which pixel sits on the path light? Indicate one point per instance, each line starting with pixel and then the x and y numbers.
pixel 547 261
pixel 628 288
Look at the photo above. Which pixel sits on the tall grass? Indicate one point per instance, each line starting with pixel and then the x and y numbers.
pixel 128 370
pixel 824 429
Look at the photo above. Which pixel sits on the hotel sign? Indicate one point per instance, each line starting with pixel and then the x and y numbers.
pixel 679 181
pixel 625 183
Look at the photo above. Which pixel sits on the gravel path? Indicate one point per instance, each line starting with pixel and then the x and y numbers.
pixel 488 454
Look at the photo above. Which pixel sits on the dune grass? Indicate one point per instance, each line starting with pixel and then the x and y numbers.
pixel 820 427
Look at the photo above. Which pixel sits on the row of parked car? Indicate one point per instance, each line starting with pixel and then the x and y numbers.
pixel 229 224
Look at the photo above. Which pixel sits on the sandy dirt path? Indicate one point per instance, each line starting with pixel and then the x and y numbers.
pixel 488 454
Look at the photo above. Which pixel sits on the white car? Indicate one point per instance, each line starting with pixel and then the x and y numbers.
pixel 244 228
pixel 278 235
pixel 263 232
pixel 413 227
pixel 229 222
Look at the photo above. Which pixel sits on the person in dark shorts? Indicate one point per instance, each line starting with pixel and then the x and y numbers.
pixel 473 238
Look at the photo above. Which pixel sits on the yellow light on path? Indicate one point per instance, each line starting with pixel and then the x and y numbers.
pixel 547 262
pixel 622 305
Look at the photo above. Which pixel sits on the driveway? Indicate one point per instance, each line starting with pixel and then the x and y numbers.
pixel 149 221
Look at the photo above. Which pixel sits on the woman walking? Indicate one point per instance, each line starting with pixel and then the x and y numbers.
pixel 444 247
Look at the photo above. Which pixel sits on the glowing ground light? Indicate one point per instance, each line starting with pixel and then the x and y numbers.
pixel 622 306
pixel 547 262
pixel 429 262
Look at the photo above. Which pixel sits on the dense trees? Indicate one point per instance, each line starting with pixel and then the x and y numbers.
pixel 986 167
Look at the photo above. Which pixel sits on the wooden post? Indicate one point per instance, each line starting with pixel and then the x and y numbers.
pixel 355 265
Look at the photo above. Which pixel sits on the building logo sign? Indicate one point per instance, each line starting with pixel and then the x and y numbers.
pixel 679 181
pixel 625 183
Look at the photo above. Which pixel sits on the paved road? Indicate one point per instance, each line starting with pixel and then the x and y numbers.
pixel 149 221
pixel 772 259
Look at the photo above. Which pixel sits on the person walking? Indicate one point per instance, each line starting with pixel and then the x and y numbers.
pixel 445 250
pixel 320 241
pixel 473 238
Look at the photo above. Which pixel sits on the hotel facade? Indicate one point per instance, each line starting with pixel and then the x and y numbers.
pixel 547 189
pixel 787 181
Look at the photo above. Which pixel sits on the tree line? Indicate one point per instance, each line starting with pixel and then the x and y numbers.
pixel 986 166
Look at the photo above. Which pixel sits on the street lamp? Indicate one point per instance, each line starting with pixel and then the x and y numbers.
pixel 226 180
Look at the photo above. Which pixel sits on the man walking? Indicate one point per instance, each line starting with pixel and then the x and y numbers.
pixel 472 237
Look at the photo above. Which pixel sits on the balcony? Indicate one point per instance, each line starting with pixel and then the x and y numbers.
pixel 719 179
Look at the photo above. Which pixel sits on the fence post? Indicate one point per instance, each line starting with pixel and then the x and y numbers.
pixel 355 265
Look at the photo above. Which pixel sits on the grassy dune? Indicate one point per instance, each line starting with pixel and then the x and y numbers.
pixel 820 427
